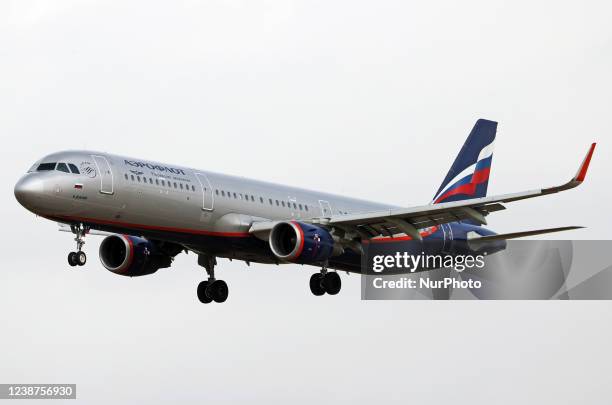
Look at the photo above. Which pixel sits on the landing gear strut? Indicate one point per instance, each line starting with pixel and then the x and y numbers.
pixel 325 282
pixel 78 258
pixel 212 289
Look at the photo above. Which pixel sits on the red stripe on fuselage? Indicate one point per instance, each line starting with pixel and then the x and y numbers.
pixel 387 239
pixel 153 227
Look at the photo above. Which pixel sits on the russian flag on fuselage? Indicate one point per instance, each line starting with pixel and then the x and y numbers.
pixel 468 177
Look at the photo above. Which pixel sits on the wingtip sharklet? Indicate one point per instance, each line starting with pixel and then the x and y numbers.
pixel 584 167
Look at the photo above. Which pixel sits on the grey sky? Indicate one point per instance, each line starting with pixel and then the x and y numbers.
pixel 369 99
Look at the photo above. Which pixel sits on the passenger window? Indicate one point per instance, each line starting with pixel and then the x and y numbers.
pixel 181 185
pixel 73 168
pixel 157 182
pixel 294 206
pixel 252 198
pixel 261 200
pixel 277 203
pixel 45 167
pixel 132 177
pixel 235 196
pixel 192 188
pixel 164 183
pixel 138 177
pixel 222 193
pixel 126 176
pixel 217 192
pixel 283 203
pixel 306 207
pixel 175 185
pixel 300 205
pixel 270 200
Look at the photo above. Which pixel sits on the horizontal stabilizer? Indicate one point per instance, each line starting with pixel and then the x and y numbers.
pixel 515 235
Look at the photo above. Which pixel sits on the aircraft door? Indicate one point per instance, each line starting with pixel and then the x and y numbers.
pixel 326 210
pixel 106 174
pixel 207 192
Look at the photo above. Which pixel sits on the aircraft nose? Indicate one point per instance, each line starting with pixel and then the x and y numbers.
pixel 28 190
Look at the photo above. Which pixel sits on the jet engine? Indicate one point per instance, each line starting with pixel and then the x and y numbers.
pixel 131 256
pixel 299 242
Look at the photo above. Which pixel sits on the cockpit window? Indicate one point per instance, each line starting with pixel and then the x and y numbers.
pixel 62 167
pixel 45 167
pixel 73 168
pixel 34 167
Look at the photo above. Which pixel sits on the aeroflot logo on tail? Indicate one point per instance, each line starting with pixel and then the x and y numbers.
pixel 154 167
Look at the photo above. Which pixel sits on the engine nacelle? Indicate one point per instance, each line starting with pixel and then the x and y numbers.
pixel 131 256
pixel 298 242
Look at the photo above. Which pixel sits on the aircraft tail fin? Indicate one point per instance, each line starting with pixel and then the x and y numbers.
pixel 468 177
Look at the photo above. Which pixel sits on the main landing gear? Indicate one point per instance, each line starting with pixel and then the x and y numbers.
pixel 78 258
pixel 325 282
pixel 212 289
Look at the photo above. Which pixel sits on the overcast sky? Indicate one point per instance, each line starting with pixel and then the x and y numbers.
pixel 369 99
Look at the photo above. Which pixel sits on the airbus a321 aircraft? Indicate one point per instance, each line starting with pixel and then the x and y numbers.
pixel 153 211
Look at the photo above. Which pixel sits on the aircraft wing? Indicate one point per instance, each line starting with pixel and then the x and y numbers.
pixel 410 220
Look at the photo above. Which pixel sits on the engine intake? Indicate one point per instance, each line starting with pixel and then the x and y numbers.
pixel 131 256
pixel 301 243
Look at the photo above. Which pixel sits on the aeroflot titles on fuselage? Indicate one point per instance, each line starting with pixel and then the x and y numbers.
pixel 172 170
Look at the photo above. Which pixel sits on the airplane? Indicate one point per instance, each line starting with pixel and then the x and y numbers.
pixel 150 212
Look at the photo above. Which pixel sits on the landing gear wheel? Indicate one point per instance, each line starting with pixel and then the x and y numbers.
pixel 218 291
pixel 72 260
pixel 316 284
pixel 332 283
pixel 204 299
pixel 80 258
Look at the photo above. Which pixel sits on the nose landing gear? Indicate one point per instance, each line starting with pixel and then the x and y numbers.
pixel 325 282
pixel 212 289
pixel 78 258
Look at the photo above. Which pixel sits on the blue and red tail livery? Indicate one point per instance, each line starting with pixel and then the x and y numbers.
pixel 468 177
